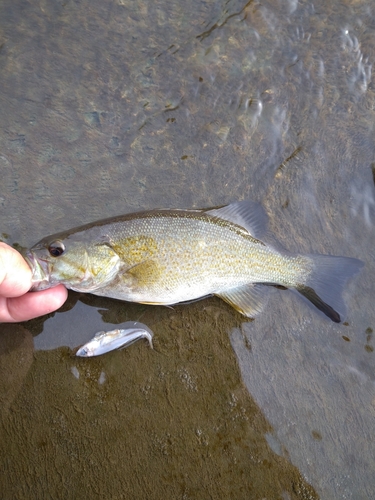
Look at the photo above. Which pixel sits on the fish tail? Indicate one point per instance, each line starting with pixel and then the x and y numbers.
pixel 326 283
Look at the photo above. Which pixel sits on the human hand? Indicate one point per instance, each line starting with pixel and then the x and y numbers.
pixel 15 281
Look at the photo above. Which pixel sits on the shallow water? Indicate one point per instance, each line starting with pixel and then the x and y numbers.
pixel 109 107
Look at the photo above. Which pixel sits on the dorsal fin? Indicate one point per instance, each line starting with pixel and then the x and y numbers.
pixel 247 214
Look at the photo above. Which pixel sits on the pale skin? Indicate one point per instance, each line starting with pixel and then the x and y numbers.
pixel 16 302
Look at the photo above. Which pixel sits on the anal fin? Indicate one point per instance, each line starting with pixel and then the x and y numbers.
pixel 249 300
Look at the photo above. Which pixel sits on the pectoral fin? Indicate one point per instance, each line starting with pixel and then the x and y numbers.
pixel 146 272
pixel 249 300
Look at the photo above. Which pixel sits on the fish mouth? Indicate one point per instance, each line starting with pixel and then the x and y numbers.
pixel 41 272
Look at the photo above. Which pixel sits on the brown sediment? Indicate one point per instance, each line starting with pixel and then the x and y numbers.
pixel 173 422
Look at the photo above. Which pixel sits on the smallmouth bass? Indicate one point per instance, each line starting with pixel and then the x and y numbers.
pixel 170 256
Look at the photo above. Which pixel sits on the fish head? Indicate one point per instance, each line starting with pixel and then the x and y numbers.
pixel 73 261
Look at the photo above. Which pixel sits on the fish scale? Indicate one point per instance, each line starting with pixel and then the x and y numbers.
pixel 196 261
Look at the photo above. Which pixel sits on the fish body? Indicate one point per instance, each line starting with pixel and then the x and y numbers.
pixel 104 342
pixel 171 256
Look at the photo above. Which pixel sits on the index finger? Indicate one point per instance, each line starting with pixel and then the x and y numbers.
pixel 32 305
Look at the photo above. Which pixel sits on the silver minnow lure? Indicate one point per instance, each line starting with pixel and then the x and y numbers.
pixel 104 342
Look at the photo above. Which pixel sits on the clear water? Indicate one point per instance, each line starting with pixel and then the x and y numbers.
pixel 110 107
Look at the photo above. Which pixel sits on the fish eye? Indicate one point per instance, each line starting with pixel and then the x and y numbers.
pixel 56 248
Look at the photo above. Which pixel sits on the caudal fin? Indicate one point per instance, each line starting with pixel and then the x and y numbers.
pixel 326 283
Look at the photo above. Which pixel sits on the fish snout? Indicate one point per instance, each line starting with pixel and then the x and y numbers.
pixel 40 272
